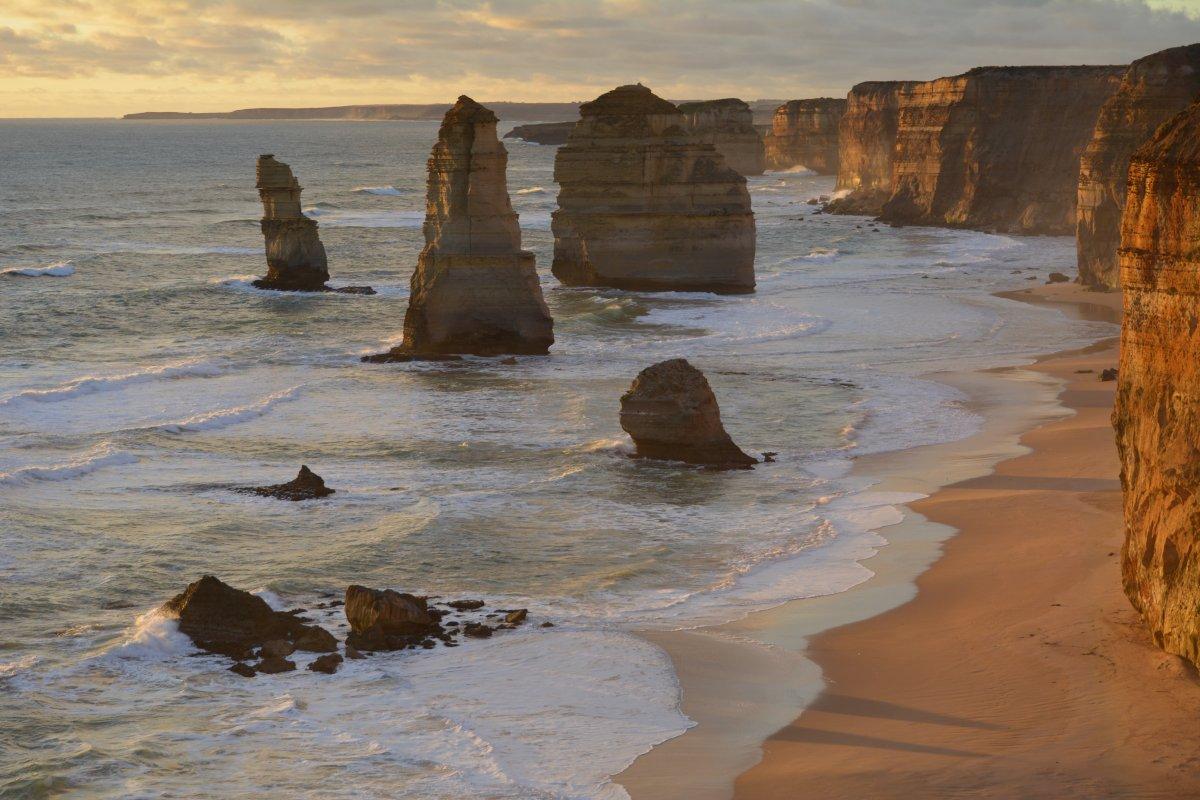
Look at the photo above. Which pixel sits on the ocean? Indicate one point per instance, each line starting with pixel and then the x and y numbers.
pixel 142 378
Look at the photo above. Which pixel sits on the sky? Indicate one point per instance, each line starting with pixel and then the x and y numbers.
pixel 88 58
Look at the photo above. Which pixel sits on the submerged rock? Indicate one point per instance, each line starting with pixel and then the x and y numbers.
pixel 729 125
pixel 307 485
pixel 671 413
pixel 804 133
pixel 387 619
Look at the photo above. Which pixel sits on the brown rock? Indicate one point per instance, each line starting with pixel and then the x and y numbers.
pixel 278 648
pixel 327 664
pixel 728 125
pixel 221 619
pixel 671 413
pixel 553 133
pixel 1057 277
pixel 465 605
pixel 387 619
pixel 353 654
pixel 478 630
pixel 273 665
pixel 804 133
pixel 1157 414
pixel 307 485
pixel 315 639
pixel 243 669
pixel 1154 89
pixel 866 142
pixel 645 204
pixel 516 617
pixel 295 256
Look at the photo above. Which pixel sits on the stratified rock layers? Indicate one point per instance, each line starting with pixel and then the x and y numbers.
pixel 996 148
pixel 866 141
pixel 804 133
pixel 644 204
pixel 1154 89
pixel 295 256
pixel 729 125
pixel 1157 415
pixel 474 290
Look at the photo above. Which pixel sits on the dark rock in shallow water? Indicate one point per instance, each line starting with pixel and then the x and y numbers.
pixel 352 653
pixel 1109 374
pixel 397 357
pixel 1057 277
pixel 477 630
pixel 273 665
pixel 354 290
pixel 278 648
pixel 465 605
pixel 327 663
pixel 306 486
pixel 387 619
pixel 516 617
pixel 315 639
pixel 243 669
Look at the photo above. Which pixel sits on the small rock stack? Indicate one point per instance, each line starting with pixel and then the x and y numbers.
pixel 295 256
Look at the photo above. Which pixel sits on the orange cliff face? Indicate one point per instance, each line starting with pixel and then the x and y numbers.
pixel 1154 89
pixel 804 133
pixel 996 148
pixel 1157 414
pixel 866 142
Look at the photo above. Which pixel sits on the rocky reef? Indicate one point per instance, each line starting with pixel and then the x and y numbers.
pixel 728 124
pixel 866 141
pixel 1154 89
pixel 804 133
pixel 645 204
pixel 996 148
pixel 307 485
pixel 671 413
pixel 1157 414
pixel 295 256
pixel 474 291
pixel 554 133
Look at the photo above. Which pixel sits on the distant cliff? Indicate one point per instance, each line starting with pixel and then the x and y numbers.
pixel 804 133
pixel 1154 89
pixel 430 111
pixel 729 125
pixel 554 133
pixel 1157 414
pixel 866 140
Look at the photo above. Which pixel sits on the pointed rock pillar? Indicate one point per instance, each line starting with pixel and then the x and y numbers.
pixel 295 256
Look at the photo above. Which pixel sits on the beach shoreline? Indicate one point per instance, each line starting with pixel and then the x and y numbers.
pixel 753 685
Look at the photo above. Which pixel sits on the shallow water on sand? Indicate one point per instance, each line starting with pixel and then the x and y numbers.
pixel 141 377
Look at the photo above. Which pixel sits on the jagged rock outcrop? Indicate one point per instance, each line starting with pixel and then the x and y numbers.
pixel 1157 413
pixel 554 133
pixel 1155 88
pixel 307 485
pixel 996 148
pixel 474 291
pixel 866 143
pixel 671 413
pixel 644 204
pixel 728 124
pixel 387 619
pixel 295 256
pixel 804 133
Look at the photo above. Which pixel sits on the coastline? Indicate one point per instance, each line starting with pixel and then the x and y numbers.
pixel 912 688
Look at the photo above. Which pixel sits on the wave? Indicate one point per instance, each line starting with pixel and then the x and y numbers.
pixel 366 219
pixel 383 191
pixel 91 384
pixel 824 255
pixel 152 248
pixel 97 458
pixel 60 269
pixel 532 190
pixel 224 417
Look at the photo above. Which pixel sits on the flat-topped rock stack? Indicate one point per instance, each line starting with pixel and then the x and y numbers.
pixel 866 141
pixel 474 291
pixel 729 125
pixel 804 133
pixel 295 256
pixel 646 204
pixel 1154 89
pixel 1157 414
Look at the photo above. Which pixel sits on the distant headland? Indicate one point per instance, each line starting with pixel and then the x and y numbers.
pixel 543 112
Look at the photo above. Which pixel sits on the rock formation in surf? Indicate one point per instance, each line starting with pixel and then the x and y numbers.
pixel 1157 414
pixel 804 133
pixel 307 485
pixel 554 133
pixel 1155 88
pixel 474 291
pixel 387 619
pixel 996 148
pixel 645 204
pixel 295 256
pixel 728 124
pixel 671 413
pixel 866 141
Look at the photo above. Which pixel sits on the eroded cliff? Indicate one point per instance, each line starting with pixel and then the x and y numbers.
pixel 728 125
pixel 296 258
pixel 866 141
pixel 804 133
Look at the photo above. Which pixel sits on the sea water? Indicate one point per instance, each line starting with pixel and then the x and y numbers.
pixel 142 377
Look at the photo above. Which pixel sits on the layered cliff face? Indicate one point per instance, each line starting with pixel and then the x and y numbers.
pixel 1154 89
pixel 866 141
pixel 475 291
pixel 728 125
pixel 1157 415
pixel 804 133
pixel 645 204
pixel 295 256
pixel 996 148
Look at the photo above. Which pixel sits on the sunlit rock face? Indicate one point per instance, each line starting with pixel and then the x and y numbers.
pixel 1154 89
pixel 646 204
pixel 295 256
pixel 1157 414
pixel 475 291
pixel 804 133
pixel 728 125
pixel 996 148
pixel 866 142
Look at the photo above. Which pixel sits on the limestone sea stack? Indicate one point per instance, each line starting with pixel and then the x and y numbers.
pixel 996 148
pixel 1157 414
pixel 646 204
pixel 866 141
pixel 671 413
pixel 295 256
pixel 474 291
pixel 804 133
pixel 1155 88
pixel 729 125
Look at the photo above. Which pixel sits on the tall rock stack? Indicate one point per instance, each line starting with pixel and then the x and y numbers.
pixel 295 256
pixel 729 125
pixel 804 133
pixel 1155 89
pixel 996 148
pixel 1157 415
pixel 645 204
pixel 866 141
pixel 475 291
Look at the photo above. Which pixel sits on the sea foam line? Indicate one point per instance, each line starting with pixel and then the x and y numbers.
pixel 91 384
pixel 98 457
pixel 60 269
pixel 224 417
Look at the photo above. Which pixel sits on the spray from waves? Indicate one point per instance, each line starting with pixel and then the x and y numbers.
pixel 61 269
pixel 382 191
pixel 92 384
pixel 153 637
pixel 103 455
pixel 224 417
pixel 532 190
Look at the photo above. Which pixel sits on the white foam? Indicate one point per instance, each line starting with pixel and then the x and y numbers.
pixel 532 190
pixel 61 269
pixel 90 384
pixel 99 457
pixel 822 254
pixel 383 191
pixel 225 417
pixel 153 637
